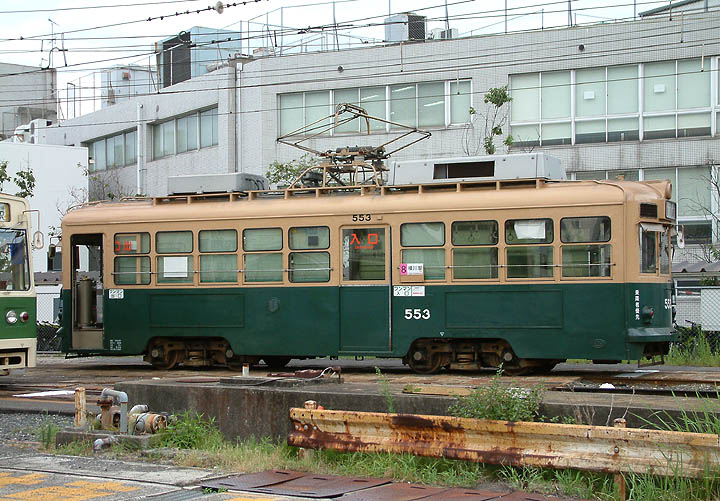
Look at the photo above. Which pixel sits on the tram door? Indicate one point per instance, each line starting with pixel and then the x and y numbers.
pixel 87 291
pixel 365 290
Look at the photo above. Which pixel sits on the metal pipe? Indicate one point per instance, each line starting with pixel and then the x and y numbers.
pixel 138 409
pixel 123 399
pixel 139 153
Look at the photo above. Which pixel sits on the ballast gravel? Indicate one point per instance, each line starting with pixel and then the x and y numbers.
pixel 26 427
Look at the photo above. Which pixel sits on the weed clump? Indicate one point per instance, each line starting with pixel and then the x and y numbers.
pixel 46 434
pixel 192 430
pixel 500 401
pixel 385 385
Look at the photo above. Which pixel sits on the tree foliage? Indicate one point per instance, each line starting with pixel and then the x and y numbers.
pixel 485 126
pixel 23 179
pixel 282 174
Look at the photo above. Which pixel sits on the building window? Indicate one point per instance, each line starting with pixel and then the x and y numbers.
pixel 675 97
pixel 113 151
pixel 692 192
pixel 185 133
pixel 428 104
pixel 209 128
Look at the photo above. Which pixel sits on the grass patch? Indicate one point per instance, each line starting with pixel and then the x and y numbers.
pixel 704 419
pixel 675 488
pixel 46 435
pixel 695 348
pixel 497 400
pixel 191 430
pixel 75 448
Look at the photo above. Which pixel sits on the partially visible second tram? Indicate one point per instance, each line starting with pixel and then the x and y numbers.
pixel 18 331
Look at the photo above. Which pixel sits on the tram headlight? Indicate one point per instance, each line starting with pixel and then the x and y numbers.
pixel 670 210
pixel 647 314
pixel 24 316
pixel 11 317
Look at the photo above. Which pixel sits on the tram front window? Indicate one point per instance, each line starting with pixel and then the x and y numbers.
pixel 14 265
pixel 648 249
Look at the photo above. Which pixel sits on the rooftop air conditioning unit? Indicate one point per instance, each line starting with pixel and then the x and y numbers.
pixel 449 34
pixel 405 27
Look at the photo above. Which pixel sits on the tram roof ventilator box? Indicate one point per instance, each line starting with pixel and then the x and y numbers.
pixel 216 183
pixel 481 168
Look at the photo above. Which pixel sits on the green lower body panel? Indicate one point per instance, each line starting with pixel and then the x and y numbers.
pixel 552 321
pixel 18 330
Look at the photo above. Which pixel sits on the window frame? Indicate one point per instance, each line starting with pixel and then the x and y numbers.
pixel 447 104
pixel 641 114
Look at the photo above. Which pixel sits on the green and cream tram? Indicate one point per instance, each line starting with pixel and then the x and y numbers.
pixel 524 273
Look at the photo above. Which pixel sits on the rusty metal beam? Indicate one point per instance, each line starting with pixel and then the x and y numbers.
pixel 590 448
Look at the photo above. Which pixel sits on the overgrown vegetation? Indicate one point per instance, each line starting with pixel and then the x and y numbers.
pixel 191 430
pixel 696 348
pixel 498 400
pixel 203 446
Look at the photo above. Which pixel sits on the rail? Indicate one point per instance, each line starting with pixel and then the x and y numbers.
pixel 591 448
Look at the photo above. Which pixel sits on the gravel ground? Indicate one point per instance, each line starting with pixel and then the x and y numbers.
pixel 20 426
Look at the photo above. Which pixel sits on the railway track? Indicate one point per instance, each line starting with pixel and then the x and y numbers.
pixel 55 374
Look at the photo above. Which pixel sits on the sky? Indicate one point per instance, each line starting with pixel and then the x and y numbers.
pixel 119 32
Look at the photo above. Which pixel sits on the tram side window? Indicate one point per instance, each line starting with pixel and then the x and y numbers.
pixel 529 261
pixel 309 266
pixel 262 266
pixel 585 260
pixel 174 269
pixel 665 250
pixel 214 266
pixel 425 235
pixel 131 269
pixel 309 237
pixel 474 262
pixel 648 251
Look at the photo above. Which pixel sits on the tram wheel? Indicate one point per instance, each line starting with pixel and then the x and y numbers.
pixel 276 362
pixel 169 360
pixel 425 366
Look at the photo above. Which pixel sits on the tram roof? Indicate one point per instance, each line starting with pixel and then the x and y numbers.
pixel 506 195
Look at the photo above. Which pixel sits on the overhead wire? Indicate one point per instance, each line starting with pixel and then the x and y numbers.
pixel 515 51
pixel 580 37
pixel 106 6
pixel 275 109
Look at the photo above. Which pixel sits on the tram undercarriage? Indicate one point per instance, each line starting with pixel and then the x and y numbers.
pixel 428 356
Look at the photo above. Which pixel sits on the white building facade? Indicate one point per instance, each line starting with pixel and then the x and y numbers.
pixel 639 99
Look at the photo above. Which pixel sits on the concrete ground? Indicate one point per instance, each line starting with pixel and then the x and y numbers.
pixel 41 477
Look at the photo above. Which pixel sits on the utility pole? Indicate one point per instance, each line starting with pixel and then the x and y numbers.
pixel 505 16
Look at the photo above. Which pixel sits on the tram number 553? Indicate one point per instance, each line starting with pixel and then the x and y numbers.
pixel 417 314
pixel 361 217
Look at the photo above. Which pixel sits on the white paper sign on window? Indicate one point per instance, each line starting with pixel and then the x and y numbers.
pixel 411 269
pixel 530 230
pixel 175 267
